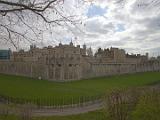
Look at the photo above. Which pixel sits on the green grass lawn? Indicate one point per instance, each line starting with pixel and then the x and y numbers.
pixel 65 93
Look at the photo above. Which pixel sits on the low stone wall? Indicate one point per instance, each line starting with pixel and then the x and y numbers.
pixel 36 70
pixel 74 72
pixel 99 69
pixel 24 69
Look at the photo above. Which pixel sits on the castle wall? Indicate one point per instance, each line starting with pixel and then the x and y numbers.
pixel 24 69
pixel 63 72
pixel 108 69
pixel 103 69
pixel 68 72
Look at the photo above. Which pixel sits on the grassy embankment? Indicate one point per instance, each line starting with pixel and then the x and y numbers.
pixel 69 92
pixel 97 115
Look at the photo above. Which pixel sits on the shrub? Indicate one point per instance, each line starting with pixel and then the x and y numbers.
pixel 148 106
pixel 134 104
pixel 120 103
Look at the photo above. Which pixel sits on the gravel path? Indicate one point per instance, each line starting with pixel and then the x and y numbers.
pixel 67 111
pixel 50 111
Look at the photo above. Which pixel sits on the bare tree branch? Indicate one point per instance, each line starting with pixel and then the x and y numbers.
pixel 23 7
pixel 21 18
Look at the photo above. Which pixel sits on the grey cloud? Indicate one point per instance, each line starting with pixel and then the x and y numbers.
pixel 94 27
pixel 142 26
pixel 109 26
pixel 146 8
pixel 92 35
pixel 105 44
pixel 154 51
pixel 97 26
pixel 152 23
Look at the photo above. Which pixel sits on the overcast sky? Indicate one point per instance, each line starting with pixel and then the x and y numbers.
pixel 133 25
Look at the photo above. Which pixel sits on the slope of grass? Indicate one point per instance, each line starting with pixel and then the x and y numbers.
pixel 11 117
pixel 96 115
pixel 147 107
pixel 27 88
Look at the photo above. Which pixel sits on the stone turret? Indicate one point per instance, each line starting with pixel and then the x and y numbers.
pixel 60 44
pixel 84 46
pixel 71 43
pixel 83 51
pixel 32 47
pixel 147 55
pixel 89 52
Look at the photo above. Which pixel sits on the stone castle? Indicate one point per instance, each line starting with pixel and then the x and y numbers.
pixel 70 62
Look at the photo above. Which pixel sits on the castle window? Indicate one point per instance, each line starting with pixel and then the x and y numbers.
pixel 70 65
pixel 71 58
pixel 59 65
pixel 76 65
pixel 66 55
